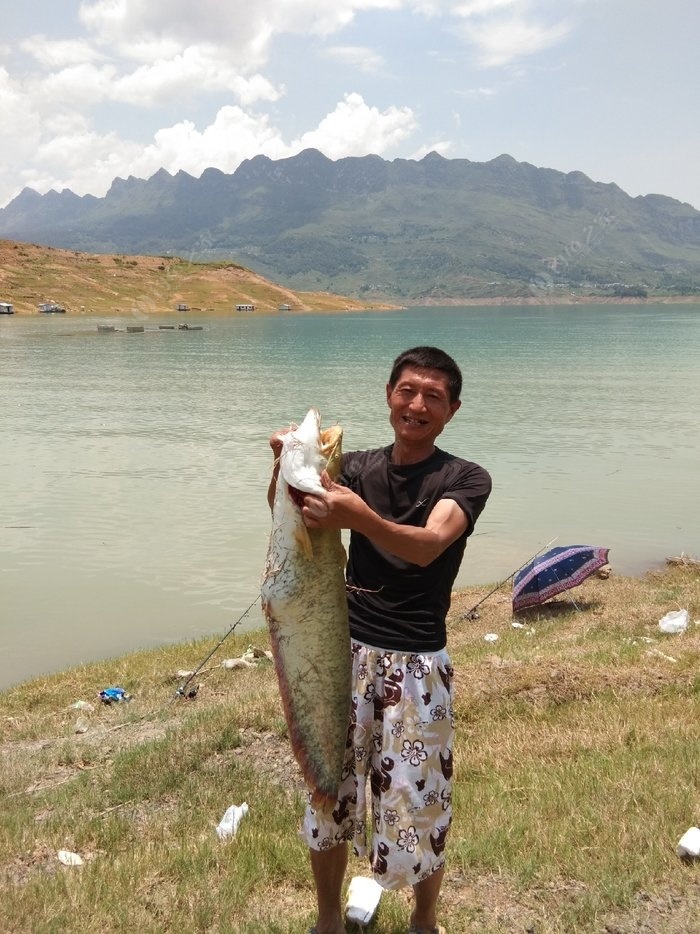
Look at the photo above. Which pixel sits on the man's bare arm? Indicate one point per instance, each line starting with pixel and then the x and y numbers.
pixel 341 508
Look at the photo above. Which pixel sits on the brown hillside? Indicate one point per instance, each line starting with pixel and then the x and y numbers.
pixel 98 283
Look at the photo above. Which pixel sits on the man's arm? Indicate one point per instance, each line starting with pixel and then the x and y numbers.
pixel 341 508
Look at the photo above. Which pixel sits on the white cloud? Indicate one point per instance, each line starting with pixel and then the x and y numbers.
pixel 443 148
pixel 481 7
pixel 356 56
pixel 355 129
pixel 232 137
pixel 197 70
pixel 54 53
pixel 503 40
pixel 246 29
pixel 476 93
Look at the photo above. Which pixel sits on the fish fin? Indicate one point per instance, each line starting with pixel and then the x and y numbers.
pixel 303 540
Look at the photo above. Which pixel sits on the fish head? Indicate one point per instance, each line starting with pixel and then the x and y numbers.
pixel 332 449
pixel 301 461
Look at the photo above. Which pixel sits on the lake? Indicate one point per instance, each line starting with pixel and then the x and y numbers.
pixel 134 466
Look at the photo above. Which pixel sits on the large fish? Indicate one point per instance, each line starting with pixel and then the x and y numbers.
pixel 304 601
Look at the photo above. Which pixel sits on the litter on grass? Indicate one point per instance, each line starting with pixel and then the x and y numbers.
pixel 114 695
pixel 689 843
pixel 229 823
pixel 69 859
pixel 363 899
pixel 674 622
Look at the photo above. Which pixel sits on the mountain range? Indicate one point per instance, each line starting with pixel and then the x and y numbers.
pixel 433 230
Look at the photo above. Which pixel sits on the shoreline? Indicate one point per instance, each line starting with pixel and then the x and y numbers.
pixel 462 598
pixel 356 306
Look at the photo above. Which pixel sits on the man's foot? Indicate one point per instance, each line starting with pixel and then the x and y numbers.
pixel 414 929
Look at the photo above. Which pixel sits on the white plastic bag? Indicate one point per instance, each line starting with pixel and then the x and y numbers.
pixel 674 622
pixel 69 859
pixel 689 843
pixel 228 825
pixel 363 899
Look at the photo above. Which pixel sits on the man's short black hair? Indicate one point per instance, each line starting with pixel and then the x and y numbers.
pixel 431 358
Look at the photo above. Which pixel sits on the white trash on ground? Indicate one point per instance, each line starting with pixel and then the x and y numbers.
pixel 82 725
pixel 69 859
pixel 228 825
pixel 363 899
pixel 674 622
pixel 491 637
pixel 689 843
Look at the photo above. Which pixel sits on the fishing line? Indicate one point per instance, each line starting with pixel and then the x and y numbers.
pixel 468 614
pixel 181 690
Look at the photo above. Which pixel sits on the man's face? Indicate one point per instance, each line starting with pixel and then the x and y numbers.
pixel 420 405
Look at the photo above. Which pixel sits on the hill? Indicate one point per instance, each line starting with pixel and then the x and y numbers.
pixel 423 231
pixel 86 283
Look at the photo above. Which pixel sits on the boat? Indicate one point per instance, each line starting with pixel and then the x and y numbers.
pixel 6 308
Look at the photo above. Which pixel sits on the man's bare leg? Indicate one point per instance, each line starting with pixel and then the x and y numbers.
pixel 328 867
pixel 425 893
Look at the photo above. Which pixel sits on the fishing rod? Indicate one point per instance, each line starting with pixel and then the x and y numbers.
pixel 181 690
pixel 469 613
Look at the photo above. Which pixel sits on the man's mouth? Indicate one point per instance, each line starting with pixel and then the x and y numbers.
pixel 414 421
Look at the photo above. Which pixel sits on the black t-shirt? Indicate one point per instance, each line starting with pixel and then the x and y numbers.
pixel 392 603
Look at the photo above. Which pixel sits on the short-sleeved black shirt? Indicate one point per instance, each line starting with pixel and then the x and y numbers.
pixel 392 603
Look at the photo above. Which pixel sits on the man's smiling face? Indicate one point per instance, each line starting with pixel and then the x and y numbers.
pixel 420 407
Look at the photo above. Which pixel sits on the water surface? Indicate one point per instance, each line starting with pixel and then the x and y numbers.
pixel 134 466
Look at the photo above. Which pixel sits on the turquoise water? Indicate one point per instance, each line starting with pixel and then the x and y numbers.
pixel 134 466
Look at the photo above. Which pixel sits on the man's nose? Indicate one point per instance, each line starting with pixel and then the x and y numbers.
pixel 418 402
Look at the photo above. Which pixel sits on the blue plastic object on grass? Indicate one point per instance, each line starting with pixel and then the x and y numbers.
pixel 114 695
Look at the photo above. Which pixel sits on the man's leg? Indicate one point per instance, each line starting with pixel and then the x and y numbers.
pixel 424 914
pixel 328 867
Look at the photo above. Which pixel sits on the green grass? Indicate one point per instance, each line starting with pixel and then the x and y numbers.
pixel 576 774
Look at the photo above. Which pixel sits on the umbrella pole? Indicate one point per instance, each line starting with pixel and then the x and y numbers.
pixel 468 614
pixel 568 593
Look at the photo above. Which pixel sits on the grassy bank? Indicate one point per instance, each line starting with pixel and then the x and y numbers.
pixel 576 774
pixel 139 286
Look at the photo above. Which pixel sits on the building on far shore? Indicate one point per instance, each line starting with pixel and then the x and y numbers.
pixel 6 308
pixel 181 306
pixel 51 308
pixel 244 307
pixel 284 307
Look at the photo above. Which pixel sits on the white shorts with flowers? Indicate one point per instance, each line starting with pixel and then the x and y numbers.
pixel 400 741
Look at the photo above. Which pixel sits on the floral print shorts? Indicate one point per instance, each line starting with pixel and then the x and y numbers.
pixel 400 741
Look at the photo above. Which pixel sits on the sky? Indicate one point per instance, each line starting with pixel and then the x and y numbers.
pixel 94 90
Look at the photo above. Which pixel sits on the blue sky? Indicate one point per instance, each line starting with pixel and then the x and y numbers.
pixel 104 88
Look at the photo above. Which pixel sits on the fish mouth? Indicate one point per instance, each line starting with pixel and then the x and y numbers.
pixel 296 496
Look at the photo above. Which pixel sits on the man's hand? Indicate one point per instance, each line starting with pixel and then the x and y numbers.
pixel 337 508
pixel 340 508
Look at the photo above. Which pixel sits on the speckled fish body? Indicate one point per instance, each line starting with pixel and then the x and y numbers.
pixel 304 602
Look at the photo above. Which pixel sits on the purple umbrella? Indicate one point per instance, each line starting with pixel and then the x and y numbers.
pixel 555 571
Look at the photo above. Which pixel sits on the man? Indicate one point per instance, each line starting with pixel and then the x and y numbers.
pixel 410 508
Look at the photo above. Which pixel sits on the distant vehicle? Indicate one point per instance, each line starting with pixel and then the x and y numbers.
pixel 51 308
pixel 6 308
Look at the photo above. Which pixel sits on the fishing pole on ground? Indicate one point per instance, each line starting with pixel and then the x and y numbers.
pixel 182 690
pixel 470 613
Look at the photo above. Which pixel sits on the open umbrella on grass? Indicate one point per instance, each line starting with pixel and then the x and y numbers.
pixel 555 571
